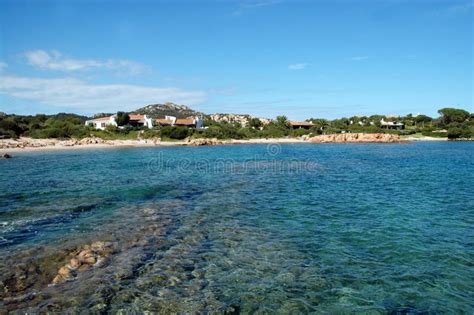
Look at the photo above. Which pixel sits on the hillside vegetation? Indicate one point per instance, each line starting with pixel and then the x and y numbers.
pixel 167 109
pixel 452 123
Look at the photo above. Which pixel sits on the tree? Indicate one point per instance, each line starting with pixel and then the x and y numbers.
pixel 455 133
pixel 341 123
pixel 282 121
pixel 255 123
pixel 423 119
pixel 122 118
pixel 450 115
pixel 319 124
pixel 12 125
pixel 459 132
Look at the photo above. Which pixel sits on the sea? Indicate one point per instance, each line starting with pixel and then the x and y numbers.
pixel 241 229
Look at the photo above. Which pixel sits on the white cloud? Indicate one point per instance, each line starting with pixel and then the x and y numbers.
pixel 359 58
pixel 3 65
pixel 460 8
pixel 88 97
pixel 249 5
pixel 297 66
pixel 54 60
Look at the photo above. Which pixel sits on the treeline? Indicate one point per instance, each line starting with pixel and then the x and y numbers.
pixel 224 130
pixel 452 123
pixel 43 126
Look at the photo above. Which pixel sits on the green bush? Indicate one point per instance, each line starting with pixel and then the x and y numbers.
pixel 7 134
pixel 458 132
pixel 427 133
pixel 150 133
pixel 11 126
pixel 299 132
pixel 175 132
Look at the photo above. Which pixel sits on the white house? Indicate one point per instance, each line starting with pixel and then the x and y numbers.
pixel 194 122
pixel 140 120
pixel 102 123
pixel 135 120
pixel 391 125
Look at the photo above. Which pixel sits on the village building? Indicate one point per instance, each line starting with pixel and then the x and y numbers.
pixel 140 121
pixel 195 122
pixel 300 124
pixel 167 121
pixel 102 122
pixel 391 125
pixel 135 120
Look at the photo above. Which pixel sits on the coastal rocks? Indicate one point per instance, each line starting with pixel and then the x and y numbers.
pixel 204 141
pixel 356 138
pixel 91 140
pixel 24 142
pixel 86 257
pixel 6 156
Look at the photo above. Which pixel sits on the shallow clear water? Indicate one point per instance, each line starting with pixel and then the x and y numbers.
pixel 297 228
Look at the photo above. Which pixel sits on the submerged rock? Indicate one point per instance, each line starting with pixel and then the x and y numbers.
pixel 86 257
pixel 64 272
pixel 90 260
pixel 75 263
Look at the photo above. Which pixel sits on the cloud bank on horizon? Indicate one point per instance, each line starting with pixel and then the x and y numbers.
pixel 391 58
pixel 81 94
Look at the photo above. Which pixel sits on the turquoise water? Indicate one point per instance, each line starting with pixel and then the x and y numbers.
pixel 297 228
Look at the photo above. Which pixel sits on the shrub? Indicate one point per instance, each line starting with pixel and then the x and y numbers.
pixel 122 118
pixel 175 132
pixel 11 125
pixel 150 133
pixel 458 132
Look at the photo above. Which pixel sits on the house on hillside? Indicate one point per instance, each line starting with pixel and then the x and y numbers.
pixel 167 121
pixel 300 124
pixel 102 122
pixel 396 125
pixel 135 120
pixel 140 121
pixel 195 122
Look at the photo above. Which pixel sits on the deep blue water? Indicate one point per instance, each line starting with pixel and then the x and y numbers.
pixel 297 228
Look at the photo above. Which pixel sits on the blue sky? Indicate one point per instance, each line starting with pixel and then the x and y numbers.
pixel 264 57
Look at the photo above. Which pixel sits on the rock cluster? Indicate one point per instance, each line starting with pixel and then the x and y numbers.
pixel 36 143
pixel 91 140
pixel 84 258
pixel 356 138
pixel 203 141
pixel 26 143
pixel 243 120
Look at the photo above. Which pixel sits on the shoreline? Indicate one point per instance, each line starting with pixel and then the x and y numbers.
pixel 34 145
pixel 61 145
pixel 424 138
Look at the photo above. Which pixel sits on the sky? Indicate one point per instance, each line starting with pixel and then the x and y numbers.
pixel 301 59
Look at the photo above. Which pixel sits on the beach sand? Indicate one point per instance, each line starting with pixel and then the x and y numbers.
pixel 29 144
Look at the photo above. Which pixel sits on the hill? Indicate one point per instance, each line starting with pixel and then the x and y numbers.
pixel 170 109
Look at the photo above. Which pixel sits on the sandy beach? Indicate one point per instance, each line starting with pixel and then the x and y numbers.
pixel 424 138
pixel 29 144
